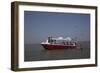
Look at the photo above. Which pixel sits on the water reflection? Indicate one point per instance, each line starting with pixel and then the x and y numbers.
pixel 35 52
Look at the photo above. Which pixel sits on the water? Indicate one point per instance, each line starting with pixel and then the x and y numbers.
pixel 35 52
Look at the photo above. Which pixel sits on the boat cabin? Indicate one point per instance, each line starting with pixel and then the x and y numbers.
pixel 61 40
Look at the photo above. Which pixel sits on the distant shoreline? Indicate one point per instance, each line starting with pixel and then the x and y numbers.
pixel 40 42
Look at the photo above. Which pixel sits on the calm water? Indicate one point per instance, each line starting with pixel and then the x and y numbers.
pixel 35 52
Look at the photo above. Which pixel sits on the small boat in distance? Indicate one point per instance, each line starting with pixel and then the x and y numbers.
pixel 59 43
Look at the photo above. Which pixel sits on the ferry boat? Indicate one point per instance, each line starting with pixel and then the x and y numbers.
pixel 59 43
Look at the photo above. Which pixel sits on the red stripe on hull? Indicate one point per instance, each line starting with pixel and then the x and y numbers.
pixel 51 46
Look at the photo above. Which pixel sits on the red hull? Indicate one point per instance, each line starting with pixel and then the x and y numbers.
pixel 53 46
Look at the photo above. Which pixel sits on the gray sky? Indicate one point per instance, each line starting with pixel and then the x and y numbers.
pixel 39 25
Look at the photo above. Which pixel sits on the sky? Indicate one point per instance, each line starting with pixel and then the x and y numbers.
pixel 38 26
